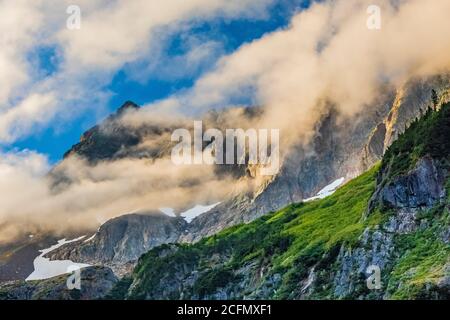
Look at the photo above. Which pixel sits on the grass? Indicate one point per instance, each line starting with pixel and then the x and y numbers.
pixel 287 241
pixel 333 220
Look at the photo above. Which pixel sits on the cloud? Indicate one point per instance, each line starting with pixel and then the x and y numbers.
pixel 97 193
pixel 123 31
pixel 23 118
pixel 18 25
pixel 198 54
pixel 29 162
pixel 112 34
pixel 326 57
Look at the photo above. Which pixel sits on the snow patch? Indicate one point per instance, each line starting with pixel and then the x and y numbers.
pixel 44 268
pixel 168 211
pixel 327 191
pixel 190 214
pixel 90 238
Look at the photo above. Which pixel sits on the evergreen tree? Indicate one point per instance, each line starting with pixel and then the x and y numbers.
pixel 434 98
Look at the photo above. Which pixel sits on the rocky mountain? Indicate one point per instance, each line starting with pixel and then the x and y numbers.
pixel 341 148
pixel 106 141
pixel 409 103
pixel 393 218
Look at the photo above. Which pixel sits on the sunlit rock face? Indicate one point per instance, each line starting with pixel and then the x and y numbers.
pixel 410 101
pixel 422 187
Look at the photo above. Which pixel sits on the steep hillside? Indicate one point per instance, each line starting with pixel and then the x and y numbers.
pixel 341 148
pixel 252 260
pixel 395 217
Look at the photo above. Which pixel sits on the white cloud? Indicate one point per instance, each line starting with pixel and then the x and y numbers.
pixel 18 24
pixel 327 56
pixel 97 193
pixel 123 31
pixel 112 34
pixel 26 161
pixel 22 119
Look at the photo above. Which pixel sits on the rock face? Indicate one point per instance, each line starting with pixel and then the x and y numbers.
pixel 112 140
pixel 16 259
pixel 407 197
pixel 409 102
pixel 333 153
pixel 376 249
pixel 121 241
pixel 422 187
pixel 95 283
pixel 106 141
pixel 375 147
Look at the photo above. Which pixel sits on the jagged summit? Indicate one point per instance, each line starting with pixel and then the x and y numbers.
pixel 103 141
pixel 127 105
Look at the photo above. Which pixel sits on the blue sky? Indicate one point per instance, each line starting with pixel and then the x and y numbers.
pixel 228 35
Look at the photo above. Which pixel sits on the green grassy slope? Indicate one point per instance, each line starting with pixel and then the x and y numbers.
pixel 286 242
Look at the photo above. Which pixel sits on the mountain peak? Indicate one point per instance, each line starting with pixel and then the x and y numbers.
pixel 127 105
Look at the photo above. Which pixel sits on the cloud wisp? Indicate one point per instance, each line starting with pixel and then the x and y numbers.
pixel 31 204
pixel 327 57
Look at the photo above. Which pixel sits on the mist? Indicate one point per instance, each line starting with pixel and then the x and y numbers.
pixel 95 194
pixel 327 57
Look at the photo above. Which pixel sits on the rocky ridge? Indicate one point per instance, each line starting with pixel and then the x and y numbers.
pixel 333 153
pixel 402 231
pixel 395 217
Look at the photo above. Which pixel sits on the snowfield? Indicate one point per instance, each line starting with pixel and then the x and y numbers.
pixel 44 268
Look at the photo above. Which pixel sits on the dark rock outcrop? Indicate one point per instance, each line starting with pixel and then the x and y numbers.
pixel 422 187
pixel 95 283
